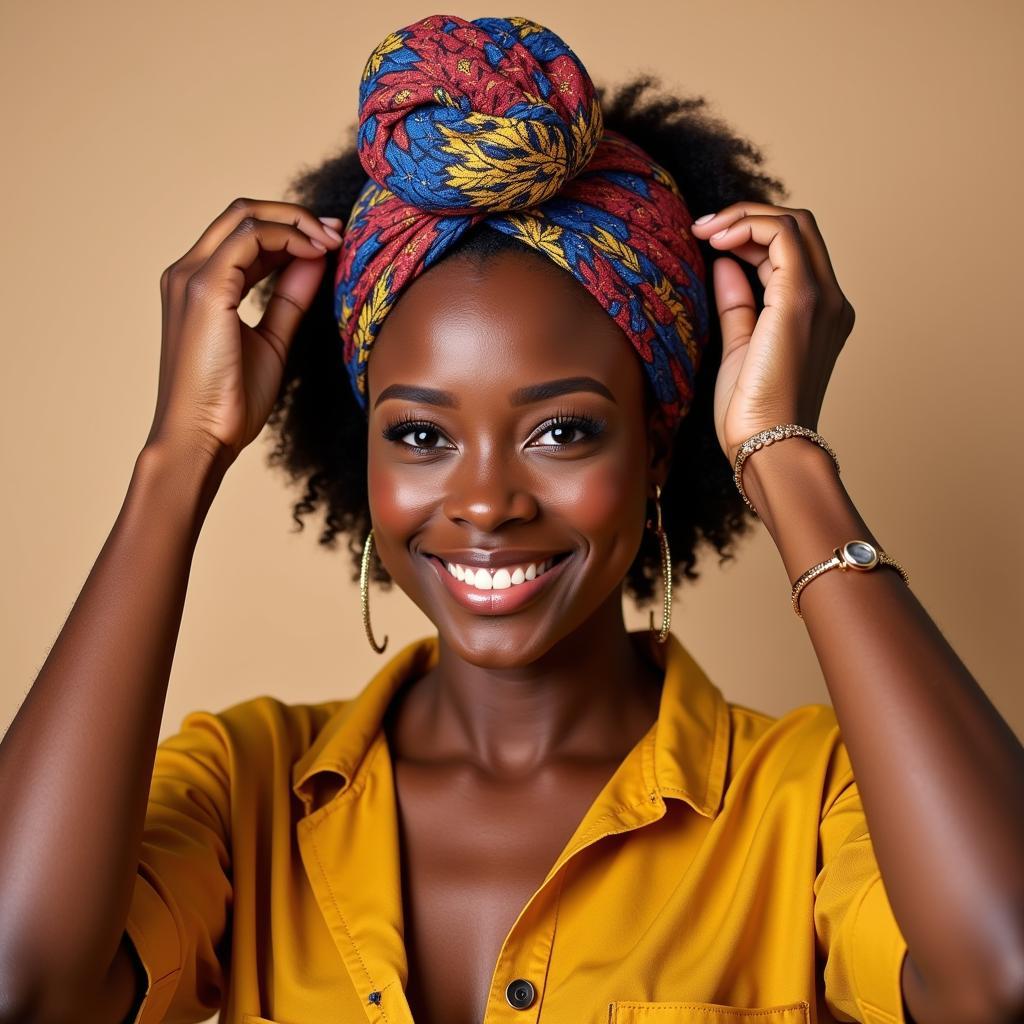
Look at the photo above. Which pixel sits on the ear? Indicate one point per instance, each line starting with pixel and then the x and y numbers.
pixel 660 445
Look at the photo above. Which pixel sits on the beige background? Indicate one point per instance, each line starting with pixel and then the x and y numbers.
pixel 128 128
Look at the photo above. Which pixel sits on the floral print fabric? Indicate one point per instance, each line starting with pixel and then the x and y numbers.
pixel 497 119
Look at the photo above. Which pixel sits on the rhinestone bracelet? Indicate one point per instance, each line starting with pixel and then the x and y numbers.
pixel 766 437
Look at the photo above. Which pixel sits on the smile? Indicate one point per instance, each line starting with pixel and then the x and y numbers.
pixel 503 578
pixel 498 591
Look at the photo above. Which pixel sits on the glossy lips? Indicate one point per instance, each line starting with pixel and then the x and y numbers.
pixel 497 601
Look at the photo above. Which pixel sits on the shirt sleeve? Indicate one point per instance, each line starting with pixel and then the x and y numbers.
pixel 862 945
pixel 182 896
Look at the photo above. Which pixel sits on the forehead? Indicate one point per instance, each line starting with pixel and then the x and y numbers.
pixel 510 319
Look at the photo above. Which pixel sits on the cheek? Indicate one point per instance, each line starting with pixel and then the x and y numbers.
pixel 598 500
pixel 605 505
pixel 398 505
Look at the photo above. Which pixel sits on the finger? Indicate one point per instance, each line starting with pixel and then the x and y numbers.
pixel 778 246
pixel 756 255
pixel 260 209
pixel 290 301
pixel 247 255
pixel 817 251
pixel 737 309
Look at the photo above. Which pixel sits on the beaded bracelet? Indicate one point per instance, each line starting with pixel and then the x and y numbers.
pixel 766 437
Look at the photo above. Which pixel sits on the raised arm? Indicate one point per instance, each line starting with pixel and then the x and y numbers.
pixel 77 761
pixel 941 773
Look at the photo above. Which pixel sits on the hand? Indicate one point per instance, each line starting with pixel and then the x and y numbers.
pixel 219 377
pixel 774 370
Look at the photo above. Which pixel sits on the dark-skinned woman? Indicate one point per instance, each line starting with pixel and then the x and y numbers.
pixel 489 344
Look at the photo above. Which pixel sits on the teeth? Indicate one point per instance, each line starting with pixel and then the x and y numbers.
pixel 500 579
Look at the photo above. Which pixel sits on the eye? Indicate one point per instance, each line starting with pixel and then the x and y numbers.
pixel 562 432
pixel 564 426
pixel 422 437
pixel 423 434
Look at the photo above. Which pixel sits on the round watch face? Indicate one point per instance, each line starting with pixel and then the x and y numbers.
pixel 860 554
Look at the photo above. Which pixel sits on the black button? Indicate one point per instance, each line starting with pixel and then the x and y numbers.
pixel 520 993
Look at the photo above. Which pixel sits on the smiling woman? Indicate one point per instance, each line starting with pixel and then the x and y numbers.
pixel 506 446
pixel 511 442
pixel 506 383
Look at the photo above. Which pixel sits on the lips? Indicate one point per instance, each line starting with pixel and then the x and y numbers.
pixel 495 559
pixel 508 596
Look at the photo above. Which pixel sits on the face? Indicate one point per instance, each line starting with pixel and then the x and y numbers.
pixel 507 435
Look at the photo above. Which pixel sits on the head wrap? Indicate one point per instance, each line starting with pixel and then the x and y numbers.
pixel 497 119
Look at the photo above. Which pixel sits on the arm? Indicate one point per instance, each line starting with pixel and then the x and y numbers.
pixel 76 765
pixel 940 772
pixel 76 762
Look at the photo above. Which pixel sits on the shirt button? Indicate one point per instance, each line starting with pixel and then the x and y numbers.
pixel 520 993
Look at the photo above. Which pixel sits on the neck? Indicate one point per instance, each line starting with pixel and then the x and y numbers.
pixel 590 696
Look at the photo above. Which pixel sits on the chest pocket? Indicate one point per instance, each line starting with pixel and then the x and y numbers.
pixel 707 1013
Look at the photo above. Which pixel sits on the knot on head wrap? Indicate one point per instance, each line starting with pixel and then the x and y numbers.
pixel 497 119
pixel 458 117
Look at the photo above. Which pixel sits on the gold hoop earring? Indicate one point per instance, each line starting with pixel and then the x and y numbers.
pixel 666 573
pixel 364 594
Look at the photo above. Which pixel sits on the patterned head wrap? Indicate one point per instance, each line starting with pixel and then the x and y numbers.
pixel 497 119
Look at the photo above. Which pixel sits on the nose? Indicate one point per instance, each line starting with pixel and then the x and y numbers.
pixel 486 492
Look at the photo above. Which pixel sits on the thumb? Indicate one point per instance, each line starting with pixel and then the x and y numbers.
pixel 736 307
pixel 292 297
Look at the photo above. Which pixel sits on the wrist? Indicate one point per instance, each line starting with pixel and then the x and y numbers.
pixel 181 479
pixel 781 477
pixel 795 486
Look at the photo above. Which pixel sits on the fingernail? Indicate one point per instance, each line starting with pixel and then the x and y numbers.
pixel 320 245
pixel 335 221
pixel 719 234
pixel 330 231
pixel 704 219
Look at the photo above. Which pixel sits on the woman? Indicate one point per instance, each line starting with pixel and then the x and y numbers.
pixel 535 814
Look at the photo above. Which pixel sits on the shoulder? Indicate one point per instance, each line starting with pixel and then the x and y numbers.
pixel 808 723
pixel 257 728
pixel 801 748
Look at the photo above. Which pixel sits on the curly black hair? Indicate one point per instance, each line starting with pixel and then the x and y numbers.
pixel 321 433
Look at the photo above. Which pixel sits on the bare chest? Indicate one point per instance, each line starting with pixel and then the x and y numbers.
pixel 473 853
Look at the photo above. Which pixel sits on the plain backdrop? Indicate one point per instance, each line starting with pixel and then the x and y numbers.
pixel 127 128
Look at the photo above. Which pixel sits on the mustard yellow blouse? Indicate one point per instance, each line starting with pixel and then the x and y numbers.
pixel 724 874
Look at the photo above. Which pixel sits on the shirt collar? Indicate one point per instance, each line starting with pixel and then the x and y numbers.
pixel 690 738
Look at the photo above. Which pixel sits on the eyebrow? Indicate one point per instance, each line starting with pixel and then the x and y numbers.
pixel 521 396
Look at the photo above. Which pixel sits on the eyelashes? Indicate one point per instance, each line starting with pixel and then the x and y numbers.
pixel 589 426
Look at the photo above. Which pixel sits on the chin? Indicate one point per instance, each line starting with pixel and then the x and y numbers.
pixel 493 645
pixel 509 641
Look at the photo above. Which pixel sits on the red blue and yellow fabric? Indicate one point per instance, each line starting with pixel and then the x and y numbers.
pixel 497 119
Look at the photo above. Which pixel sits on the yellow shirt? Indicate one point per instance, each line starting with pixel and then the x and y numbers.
pixel 723 874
